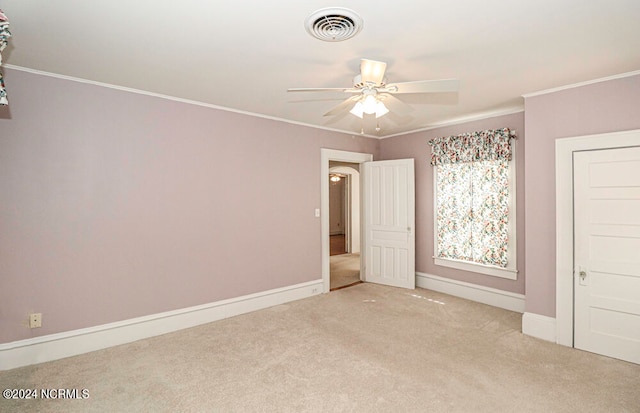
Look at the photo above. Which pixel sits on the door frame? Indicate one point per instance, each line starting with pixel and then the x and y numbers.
pixel 565 149
pixel 327 155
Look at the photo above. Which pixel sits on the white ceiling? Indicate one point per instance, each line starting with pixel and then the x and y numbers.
pixel 243 55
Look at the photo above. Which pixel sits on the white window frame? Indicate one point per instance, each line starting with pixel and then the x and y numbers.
pixel 511 271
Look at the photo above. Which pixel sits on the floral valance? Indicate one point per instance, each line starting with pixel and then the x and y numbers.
pixel 4 38
pixel 487 145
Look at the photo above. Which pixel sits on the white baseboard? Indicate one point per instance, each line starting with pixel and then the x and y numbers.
pixel 71 343
pixel 491 296
pixel 539 326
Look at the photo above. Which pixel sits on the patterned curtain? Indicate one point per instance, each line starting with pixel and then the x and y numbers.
pixel 472 205
pixel 4 38
pixel 485 145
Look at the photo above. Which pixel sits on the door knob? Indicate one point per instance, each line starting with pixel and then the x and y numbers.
pixel 583 277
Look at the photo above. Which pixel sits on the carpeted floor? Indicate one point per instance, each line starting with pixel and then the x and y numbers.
pixel 367 348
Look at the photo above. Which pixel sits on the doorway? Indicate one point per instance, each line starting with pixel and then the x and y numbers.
pixel 344 224
pixel 387 218
pixel 339 159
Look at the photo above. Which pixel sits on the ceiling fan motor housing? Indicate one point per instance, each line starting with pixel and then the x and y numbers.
pixel 359 84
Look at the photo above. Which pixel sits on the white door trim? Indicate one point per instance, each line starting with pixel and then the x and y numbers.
pixel 564 218
pixel 327 155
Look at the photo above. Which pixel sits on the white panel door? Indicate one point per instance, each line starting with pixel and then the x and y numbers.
pixel 389 221
pixel 607 252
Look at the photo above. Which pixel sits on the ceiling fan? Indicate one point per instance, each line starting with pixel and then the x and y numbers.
pixel 373 96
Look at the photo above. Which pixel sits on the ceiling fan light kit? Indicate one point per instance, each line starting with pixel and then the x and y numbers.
pixel 369 105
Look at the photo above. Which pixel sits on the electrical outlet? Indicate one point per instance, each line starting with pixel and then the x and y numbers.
pixel 35 320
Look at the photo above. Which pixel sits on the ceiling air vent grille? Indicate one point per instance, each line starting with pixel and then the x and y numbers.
pixel 333 24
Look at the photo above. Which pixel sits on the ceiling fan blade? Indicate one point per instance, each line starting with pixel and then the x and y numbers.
pixel 394 104
pixel 372 71
pixel 342 106
pixel 425 86
pixel 324 89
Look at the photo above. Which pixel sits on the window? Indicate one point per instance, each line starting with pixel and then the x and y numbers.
pixel 474 202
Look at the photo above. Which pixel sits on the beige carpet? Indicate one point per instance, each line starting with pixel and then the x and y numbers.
pixel 344 270
pixel 366 348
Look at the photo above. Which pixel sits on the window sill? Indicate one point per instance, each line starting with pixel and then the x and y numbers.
pixel 510 274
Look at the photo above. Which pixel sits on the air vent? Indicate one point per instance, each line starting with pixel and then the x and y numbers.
pixel 333 24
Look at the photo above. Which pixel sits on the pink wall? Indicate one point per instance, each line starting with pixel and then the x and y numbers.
pixel 597 108
pixel 415 146
pixel 115 205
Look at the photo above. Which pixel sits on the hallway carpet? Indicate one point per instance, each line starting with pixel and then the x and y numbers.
pixel 344 269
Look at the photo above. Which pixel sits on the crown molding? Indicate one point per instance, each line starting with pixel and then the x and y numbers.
pixel 580 84
pixel 464 119
pixel 181 100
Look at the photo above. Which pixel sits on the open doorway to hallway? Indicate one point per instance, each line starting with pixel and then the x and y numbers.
pixel 330 156
pixel 344 224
